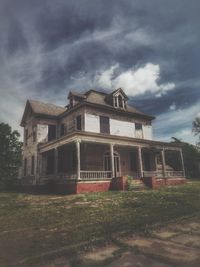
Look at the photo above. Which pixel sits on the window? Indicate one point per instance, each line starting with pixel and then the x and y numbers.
pixel 104 125
pixel 25 167
pixel 34 133
pixel 78 123
pixel 62 129
pixel 32 165
pixel 26 137
pixel 120 101
pixel 138 126
pixel 51 132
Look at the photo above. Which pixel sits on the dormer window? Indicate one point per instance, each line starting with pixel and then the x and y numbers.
pixel 119 101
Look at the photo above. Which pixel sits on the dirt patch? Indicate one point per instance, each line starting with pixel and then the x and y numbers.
pixel 165 249
pixel 189 240
pixel 128 259
pixel 164 234
pixel 101 254
pixel 60 262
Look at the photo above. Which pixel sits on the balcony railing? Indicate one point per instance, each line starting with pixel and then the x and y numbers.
pixel 95 175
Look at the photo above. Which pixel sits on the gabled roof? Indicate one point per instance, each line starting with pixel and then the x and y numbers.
pixel 119 90
pixel 40 108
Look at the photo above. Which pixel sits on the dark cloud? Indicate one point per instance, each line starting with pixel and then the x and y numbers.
pixel 49 47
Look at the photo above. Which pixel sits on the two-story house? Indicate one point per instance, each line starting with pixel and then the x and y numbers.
pixel 92 142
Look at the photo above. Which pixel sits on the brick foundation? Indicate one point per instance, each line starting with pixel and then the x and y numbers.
pixel 74 187
pixel 154 182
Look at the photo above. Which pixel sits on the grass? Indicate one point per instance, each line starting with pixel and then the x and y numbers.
pixel 38 226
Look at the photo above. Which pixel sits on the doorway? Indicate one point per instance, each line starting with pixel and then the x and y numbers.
pixel 107 163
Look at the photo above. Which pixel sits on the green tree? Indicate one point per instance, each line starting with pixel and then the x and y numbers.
pixel 10 156
pixel 196 127
pixel 191 156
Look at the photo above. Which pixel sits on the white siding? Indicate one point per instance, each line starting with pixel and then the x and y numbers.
pixel 147 132
pixel 92 123
pixel 122 128
pixel 42 133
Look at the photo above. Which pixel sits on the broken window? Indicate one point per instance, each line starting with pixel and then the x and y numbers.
pixel 104 125
pixel 79 123
pixel 32 165
pixel 51 132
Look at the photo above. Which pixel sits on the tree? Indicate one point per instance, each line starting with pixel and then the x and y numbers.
pixel 10 155
pixel 196 127
pixel 191 156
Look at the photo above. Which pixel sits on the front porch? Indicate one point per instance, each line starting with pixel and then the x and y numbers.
pixel 96 165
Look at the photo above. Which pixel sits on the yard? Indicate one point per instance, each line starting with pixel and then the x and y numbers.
pixel 37 228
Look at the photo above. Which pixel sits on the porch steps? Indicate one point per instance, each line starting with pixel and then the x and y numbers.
pixel 137 185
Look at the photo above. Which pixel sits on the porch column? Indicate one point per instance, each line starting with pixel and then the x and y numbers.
pixel 140 162
pixel 56 161
pixel 112 160
pixel 163 162
pixel 78 158
pixel 182 162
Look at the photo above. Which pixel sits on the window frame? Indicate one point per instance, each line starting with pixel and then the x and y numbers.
pixel 104 126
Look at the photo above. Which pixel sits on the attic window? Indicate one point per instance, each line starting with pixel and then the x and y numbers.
pixel 119 101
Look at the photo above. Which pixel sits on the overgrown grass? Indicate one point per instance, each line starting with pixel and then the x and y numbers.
pixel 32 225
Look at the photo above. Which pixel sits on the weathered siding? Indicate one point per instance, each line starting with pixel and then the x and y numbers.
pixel 122 128
pixel 92 123
pixel 147 132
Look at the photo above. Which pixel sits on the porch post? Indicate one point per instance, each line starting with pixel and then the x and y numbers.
pixel 182 162
pixel 140 161
pixel 56 161
pixel 112 160
pixel 78 158
pixel 163 162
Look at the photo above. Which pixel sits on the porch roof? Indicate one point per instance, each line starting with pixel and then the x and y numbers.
pixel 106 139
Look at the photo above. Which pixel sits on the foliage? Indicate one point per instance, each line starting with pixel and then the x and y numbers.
pixel 196 127
pixel 191 156
pixel 10 155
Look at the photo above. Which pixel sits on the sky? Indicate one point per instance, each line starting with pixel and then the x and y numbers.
pixel 148 48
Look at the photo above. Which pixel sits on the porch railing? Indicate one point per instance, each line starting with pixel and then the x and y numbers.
pixel 160 174
pixel 95 175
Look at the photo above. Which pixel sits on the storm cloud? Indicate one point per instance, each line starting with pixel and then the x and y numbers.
pixel 149 48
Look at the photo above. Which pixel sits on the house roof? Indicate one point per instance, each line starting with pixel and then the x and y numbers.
pixel 91 97
pixel 100 98
pixel 40 108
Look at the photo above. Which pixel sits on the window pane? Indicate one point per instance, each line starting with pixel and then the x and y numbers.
pixel 138 126
pixel 51 132
pixel 104 125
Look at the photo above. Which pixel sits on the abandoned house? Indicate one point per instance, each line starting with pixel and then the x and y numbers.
pixel 92 144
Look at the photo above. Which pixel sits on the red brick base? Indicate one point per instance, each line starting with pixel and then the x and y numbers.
pixel 154 182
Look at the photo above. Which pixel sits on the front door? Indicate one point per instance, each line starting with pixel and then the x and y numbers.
pixel 107 164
